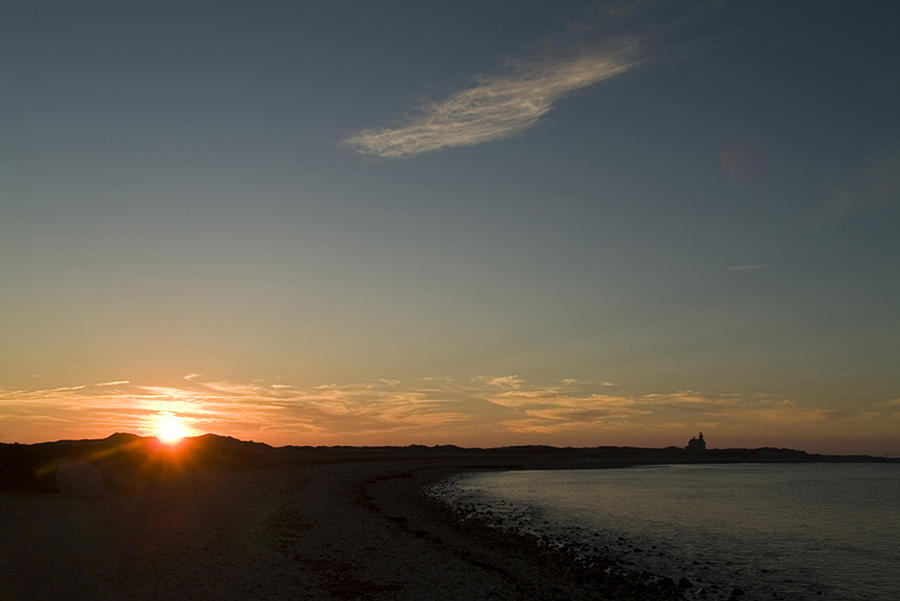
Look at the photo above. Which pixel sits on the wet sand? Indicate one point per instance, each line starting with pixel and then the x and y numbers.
pixel 342 531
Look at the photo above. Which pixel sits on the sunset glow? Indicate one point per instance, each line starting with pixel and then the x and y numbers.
pixel 579 223
pixel 170 429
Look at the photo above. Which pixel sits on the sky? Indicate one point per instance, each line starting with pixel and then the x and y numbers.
pixel 563 222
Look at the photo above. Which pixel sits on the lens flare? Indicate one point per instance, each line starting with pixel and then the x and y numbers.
pixel 170 428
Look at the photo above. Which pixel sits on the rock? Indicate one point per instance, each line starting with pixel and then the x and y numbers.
pixel 666 582
pixel 737 591
pixel 79 479
pixel 685 583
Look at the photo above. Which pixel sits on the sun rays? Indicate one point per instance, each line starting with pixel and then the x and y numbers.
pixel 169 428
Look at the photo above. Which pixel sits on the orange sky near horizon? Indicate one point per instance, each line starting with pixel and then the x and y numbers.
pixel 481 411
pixel 571 223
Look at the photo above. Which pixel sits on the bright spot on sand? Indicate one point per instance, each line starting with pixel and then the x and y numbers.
pixel 170 428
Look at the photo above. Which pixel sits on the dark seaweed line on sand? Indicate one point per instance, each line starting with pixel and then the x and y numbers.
pixel 365 499
pixel 532 566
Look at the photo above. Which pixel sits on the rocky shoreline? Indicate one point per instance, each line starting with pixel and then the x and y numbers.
pixel 536 567
pixel 362 530
pixel 248 524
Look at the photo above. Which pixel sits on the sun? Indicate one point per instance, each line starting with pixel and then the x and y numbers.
pixel 170 428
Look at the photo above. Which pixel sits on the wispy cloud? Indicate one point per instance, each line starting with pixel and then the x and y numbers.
pixel 749 267
pixel 505 382
pixel 627 7
pixel 548 410
pixel 875 186
pixel 497 409
pixel 497 106
pixel 599 45
pixel 330 412
pixel 113 383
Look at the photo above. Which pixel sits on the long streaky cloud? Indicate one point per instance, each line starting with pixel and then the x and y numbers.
pixel 489 409
pixel 497 106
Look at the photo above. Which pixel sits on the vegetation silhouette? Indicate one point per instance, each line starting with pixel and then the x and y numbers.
pixel 130 463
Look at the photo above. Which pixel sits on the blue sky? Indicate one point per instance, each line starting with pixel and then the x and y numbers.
pixel 595 201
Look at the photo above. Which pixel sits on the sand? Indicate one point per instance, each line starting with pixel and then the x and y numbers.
pixel 285 533
pixel 343 531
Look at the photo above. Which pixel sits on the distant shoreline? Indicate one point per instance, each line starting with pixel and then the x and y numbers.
pixel 125 459
pixel 224 519
pixel 574 551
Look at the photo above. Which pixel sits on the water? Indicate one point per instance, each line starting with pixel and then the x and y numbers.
pixel 778 531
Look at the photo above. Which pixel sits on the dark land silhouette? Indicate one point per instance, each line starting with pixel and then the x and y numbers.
pixel 213 517
pixel 130 463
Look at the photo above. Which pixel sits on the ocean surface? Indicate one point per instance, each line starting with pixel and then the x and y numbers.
pixel 777 531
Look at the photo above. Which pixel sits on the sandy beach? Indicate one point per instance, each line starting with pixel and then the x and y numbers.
pixel 219 518
pixel 341 531
pixel 404 300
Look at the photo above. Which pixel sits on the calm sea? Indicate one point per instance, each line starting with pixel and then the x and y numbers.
pixel 783 531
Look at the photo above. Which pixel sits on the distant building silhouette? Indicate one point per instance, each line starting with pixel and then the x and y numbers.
pixel 696 444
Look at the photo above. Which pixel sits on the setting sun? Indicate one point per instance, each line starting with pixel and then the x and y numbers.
pixel 170 428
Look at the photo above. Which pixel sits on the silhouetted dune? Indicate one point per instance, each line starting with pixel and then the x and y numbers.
pixel 130 463
pixel 220 518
